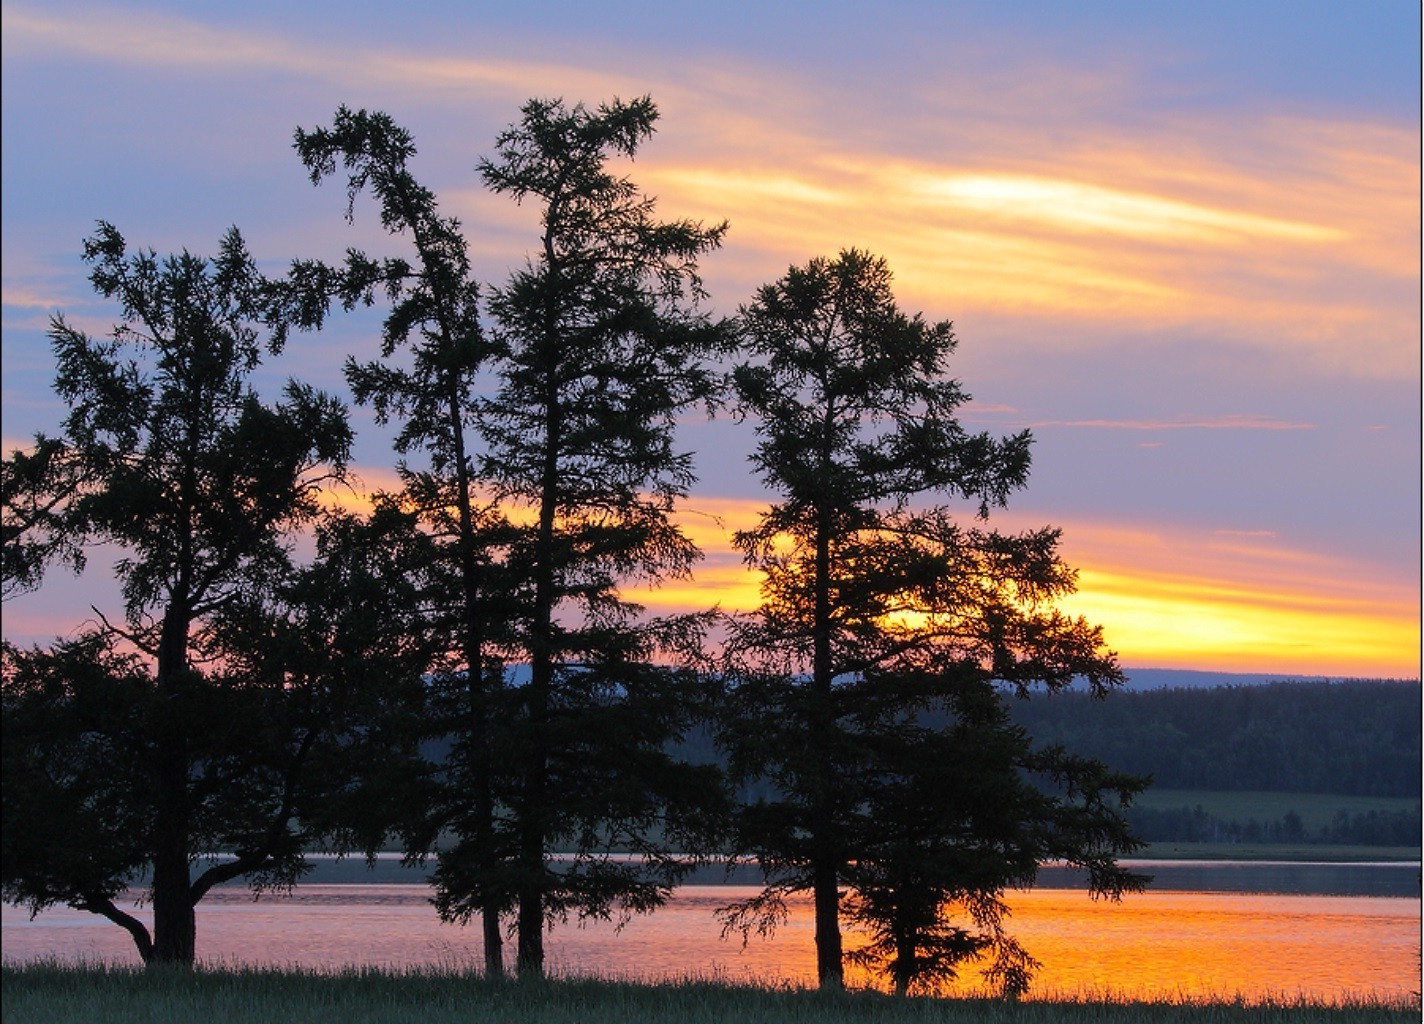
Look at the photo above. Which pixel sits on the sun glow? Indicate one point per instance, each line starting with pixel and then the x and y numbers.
pixel 1155 239
pixel 1167 597
pixel 1080 206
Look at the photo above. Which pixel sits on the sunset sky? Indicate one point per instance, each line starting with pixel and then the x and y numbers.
pixel 1181 242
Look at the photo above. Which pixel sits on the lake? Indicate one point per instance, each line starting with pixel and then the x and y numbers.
pixel 1326 931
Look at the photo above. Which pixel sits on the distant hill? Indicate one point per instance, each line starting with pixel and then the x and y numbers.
pixel 1187 679
pixel 1351 737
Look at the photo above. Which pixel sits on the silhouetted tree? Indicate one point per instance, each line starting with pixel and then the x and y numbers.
pixel 429 380
pixel 287 740
pixel 877 611
pixel 601 348
pixel 958 808
pixel 200 485
pixel 36 488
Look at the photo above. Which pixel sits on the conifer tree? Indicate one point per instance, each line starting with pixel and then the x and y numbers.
pixel 37 486
pixel 142 722
pixel 429 379
pixel 880 609
pixel 601 348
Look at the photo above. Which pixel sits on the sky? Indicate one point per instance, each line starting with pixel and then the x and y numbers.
pixel 1179 242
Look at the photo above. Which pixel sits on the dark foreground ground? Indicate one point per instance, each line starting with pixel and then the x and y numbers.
pixel 58 995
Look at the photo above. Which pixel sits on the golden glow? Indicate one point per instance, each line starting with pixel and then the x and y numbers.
pixel 1220 250
pixel 1166 597
pixel 1298 235
pixel 1158 945
pixel 1180 622
pixel 1191 946
pixel 1087 207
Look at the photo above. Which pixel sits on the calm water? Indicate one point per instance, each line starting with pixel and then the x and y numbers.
pixel 1170 942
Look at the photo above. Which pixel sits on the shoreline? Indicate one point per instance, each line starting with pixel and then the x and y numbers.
pixel 1282 853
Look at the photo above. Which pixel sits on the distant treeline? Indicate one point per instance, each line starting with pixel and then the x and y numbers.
pixel 1197 825
pixel 1356 737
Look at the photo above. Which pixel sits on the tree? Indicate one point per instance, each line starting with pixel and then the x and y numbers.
pixel 434 321
pixel 601 348
pixel 154 739
pixel 36 487
pixel 285 741
pixel 959 807
pixel 877 612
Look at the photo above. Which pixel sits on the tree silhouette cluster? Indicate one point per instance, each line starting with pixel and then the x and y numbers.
pixel 255 705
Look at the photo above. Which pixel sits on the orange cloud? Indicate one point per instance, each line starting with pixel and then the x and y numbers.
pixel 1247 266
pixel 1297 234
pixel 1092 208
pixel 1165 596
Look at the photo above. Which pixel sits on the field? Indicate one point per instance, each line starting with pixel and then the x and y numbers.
pixel 1306 852
pixel 58 995
pixel 1316 810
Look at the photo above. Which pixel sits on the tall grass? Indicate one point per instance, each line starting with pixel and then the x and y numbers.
pixel 98 994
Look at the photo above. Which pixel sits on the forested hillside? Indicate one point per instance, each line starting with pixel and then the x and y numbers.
pixel 1358 737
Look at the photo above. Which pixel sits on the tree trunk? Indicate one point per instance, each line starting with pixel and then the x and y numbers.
pixel 484 825
pixel 475 674
pixel 531 826
pixel 174 922
pixel 533 830
pixel 826 894
pixel 903 969
pixel 825 849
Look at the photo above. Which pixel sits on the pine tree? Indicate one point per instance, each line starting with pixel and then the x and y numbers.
pixel 602 348
pixel 429 379
pixel 878 609
pixel 200 484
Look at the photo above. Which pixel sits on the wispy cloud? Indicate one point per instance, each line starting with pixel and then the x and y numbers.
pixel 1063 209
pixel 1289 233
pixel 151 40
pixel 20 295
pixel 1234 422
pixel 1097 209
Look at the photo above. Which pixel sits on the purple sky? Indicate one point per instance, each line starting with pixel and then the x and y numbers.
pixel 1179 241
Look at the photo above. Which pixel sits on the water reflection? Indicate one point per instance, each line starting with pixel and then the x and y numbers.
pixel 1162 943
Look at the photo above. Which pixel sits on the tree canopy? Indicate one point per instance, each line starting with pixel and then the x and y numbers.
pixel 429 378
pixel 201 486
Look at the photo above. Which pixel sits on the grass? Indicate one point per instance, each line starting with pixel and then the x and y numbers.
pixel 94 994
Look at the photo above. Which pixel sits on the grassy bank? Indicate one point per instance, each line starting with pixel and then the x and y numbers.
pixel 96 995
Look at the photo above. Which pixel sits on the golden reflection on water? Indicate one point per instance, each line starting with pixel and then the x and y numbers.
pixel 1174 944
pixel 1190 946
pixel 1171 945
